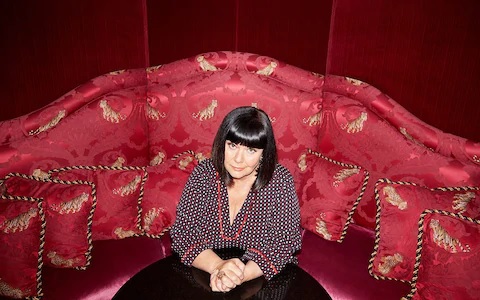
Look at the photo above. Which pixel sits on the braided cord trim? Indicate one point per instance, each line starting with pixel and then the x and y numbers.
pixel 418 251
pixel 87 254
pixel 360 196
pixel 378 214
pixel 41 214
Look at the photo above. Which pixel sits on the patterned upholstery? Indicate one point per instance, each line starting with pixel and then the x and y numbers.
pixel 147 117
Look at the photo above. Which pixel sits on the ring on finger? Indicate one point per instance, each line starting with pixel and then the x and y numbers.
pixel 220 274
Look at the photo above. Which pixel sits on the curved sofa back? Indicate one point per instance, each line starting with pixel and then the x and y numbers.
pixel 144 117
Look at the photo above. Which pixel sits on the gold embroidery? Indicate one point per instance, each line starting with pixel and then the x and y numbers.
pixel 354 81
pixel 317 74
pixel 52 123
pixel 208 112
pixel 356 125
pixel 109 114
pixel 158 159
pixel 444 240
pixel 254 104
pixel 394 198
pixel 344 174
pixel 389 262
pixel 150 217
pixel 476 159
pixel 154 114
pixel 40 174
pixel 117 72
pixel 9 291
pixel 19 223
pixel 184 162
pixel 60 261
pixel 313 120
pixel 72 206
pixel 153 68
pixel 123 233
pixel 302 162
pixel 321 227
pixel 205 65
pixel 200 157
pixel 460 201
pixel 268 70
pixel 128 189
pixel 119 162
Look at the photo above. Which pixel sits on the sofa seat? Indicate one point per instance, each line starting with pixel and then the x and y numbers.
pixel 113 263
pixel 342 268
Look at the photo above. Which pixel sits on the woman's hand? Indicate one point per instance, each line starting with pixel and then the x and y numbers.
pixel 227 275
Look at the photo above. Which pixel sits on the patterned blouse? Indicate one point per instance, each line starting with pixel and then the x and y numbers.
pixel 267 226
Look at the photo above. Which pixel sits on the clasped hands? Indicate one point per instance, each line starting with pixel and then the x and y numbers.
pixel 227 275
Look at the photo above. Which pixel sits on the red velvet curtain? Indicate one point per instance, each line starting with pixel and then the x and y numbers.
pixel 424 54
pixel 50 47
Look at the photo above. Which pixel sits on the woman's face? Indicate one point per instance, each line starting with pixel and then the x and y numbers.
pixel 241 161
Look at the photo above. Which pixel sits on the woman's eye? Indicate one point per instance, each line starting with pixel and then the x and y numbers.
pixel 232 145
pixel 252 150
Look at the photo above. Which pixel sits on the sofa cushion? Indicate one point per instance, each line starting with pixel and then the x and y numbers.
pixel 22 238
pixel 399 205
pixel 330 192
pixel 449 244
pixel 119 193
pixel 69 208
pixel 163 189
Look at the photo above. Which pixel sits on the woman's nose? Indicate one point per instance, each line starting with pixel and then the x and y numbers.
pixel 238 156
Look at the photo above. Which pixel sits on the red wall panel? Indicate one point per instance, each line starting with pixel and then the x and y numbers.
pixel 293 32
pixel 424 54
pixel 180 29
pixel 49 47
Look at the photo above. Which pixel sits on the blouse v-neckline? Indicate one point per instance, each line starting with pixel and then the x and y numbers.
pixel 231 229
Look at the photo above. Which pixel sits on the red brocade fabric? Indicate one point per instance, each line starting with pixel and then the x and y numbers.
pixel 400 207
pixel 163 119
pixel 329 193
pixel 119 194
pixel 102 131
pixel 188 99
pixel 163 189
pixel 69 209
pixel 22 238
pixel 363 126
pixel 449 258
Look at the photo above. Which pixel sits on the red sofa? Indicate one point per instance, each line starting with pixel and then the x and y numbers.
pixel 370 178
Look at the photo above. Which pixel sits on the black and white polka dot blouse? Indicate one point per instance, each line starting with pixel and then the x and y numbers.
pixel 267 226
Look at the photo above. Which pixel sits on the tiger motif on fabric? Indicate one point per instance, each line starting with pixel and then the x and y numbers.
pixel 19 223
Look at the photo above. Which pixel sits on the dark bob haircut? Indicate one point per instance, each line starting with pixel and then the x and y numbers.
pixel 250 127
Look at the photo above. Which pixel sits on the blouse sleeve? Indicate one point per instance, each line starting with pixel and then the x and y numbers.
pixel 284 238
pixel 187 239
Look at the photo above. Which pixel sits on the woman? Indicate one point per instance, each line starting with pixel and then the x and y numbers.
pixel 243 198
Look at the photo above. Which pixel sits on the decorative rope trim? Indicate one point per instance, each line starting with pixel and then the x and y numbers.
pixel 476 159
pixel 157 236
pixel 144 179
pixel 43 222
pixel 378 214
pixel 418 251
pixel 360 196
pixel 88 253
pixel 178 155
